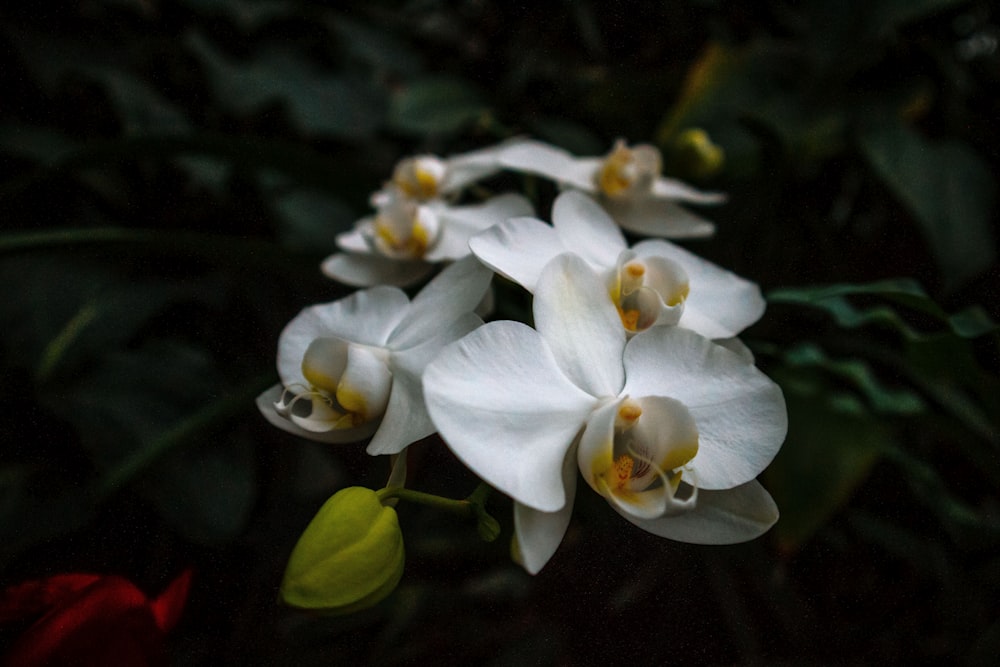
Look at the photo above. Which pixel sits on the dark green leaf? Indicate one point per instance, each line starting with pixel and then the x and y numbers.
pixel 830 448
pixel 436 105
pixel 317 101
pixel 949 190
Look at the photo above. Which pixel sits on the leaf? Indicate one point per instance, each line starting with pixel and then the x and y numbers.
pixel 60 312
pixel 143 110
pixel 830 449
pixel 311 220
pixel 376 47
pixel 435 105
pixel 969 323
pixel 949 190
pixel 316 101
pixel 881 399
pixel 206 491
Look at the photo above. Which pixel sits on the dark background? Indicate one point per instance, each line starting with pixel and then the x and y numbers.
pixel 173 172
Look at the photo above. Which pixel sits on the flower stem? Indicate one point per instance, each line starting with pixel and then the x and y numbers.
pixel 473 507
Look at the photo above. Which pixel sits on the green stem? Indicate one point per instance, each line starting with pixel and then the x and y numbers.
pixel 473 507
pixel 460 507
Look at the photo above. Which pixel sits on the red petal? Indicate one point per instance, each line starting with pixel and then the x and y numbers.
pixel 33 598
pixel 168 606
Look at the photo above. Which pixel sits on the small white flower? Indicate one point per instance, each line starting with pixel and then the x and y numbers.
pixel 351 368
pixel 669 427
pixel 416 226
pixel 654 282
pixel 405 239
pixel 627 182
pixel 426 177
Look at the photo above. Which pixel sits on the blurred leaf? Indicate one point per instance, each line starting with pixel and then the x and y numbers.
pixel 569 135
pixel 139 407
pixel 969 323
pixel 35 143
pixel 316 101
pixel 246 15
pixel 435 105
pixel 63 312
pixel 893 13
pixel 830 449
pixel 312 220
pixel 376 47
pixel 971 529
pixel 141 108
pixel 949 190
pixel 206 490
pixel 882 399
pixel 133 396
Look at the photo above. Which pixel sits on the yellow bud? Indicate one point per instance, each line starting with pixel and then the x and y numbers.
pixel 693 155
pixel 349 557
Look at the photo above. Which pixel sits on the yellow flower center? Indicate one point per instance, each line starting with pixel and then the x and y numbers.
pixel 626 172
pixel 419 177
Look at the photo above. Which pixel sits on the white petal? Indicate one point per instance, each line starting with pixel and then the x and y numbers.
pixel 669 188
pixel 720 304
pixel 406 419
pixel 658 217
pixel 364 270
pixel 740 413
pixel 354 240
pixel 518 249
pixel 265 403
pixel 738 347
pixel 595 453
pixel 720 517
pixel 587 229
pixel 470 167
pixel 575 315
pixel 367 316
pixel 539 534
pixel 541 159
pixel 460 223
pixel 364 386
pixel 453 293
pixel 501 403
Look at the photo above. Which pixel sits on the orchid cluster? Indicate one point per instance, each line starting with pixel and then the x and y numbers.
pixel 631 375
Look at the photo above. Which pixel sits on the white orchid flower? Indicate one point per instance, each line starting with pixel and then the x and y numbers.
pixel 653 282
pixel 669 427
pixel 426 177
pixel 416 225
pixel 627 182
pixel 403 241
pixel 351 369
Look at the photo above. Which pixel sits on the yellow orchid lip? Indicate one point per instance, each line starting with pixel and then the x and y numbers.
pixel 420 177
pixel 643 468
pixel 403 229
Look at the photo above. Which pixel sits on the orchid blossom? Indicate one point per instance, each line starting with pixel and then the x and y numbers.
pixel 669 427
pixel 351 369
pixel 627 182
pixel 426 177
pixel 403 241
pixel 416 224
pixel 653 282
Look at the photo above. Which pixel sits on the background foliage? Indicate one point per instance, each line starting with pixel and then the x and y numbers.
pixel 172 173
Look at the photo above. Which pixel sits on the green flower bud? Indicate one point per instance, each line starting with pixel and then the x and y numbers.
pixel 693 155
pixel 349 557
